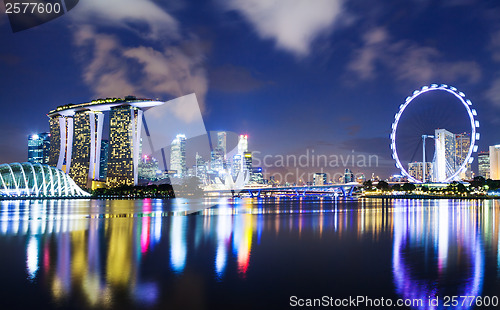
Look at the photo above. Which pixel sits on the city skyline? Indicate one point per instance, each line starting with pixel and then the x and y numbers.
pixel 334 82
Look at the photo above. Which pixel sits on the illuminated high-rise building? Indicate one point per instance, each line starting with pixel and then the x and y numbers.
pixel 201 168
pixel 149 169
pixel 61 140
pixel 247 161
pixel 218 154
pixel 348 176
pixel 445 152
pixel 39 148
pixel 221 142
pixel 483 159
pixel 495 162
pixel 242 144
pixel 462 146
pixel 237 165
pixel 76 134
pixel 86 153
pixel 178 155
pixel 416 170
pixel 257 176
pixel 319 178
pixel 103 169
pixel 124 133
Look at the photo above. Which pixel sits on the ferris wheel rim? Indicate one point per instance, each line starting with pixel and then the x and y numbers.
pixel 474 124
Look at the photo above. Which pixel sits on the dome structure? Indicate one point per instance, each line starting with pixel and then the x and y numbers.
pixel 36 180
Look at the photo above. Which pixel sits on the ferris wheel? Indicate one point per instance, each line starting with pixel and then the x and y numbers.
pixel 448 165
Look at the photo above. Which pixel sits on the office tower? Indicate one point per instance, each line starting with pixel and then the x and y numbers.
pixel 61 141
pixel 319 178
pixel 237 164
pixel 201 169
pixel 178 155
pixel 39 148
pixel 495 162
pixel 348 176
pixel 218 154
pixel 257 176
pixel 242 144
pixel 445 151
pixel 247 161
pixel 416 170
pixel 484 164
pixel 221 143
pixel 148 169
pixel 103 169
pixel 217 159
pixel 124 131
pixel 75 138
pixel 462 146
pixel 86 153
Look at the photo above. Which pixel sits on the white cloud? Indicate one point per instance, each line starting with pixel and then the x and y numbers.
pixel 495 46
pixel 292 24
pixel 171 71
pixel 493 93
pixel 164 63
pixel 128 14
pixel 407 61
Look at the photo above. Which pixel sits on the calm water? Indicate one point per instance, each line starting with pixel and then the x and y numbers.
pixel 244 254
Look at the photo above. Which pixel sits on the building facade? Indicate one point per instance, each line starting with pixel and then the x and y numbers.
pixel 86 153
pixel 445 153
pixel 416 170
pixel 178 155
pixel 39 148
pixel 76 132
pixel 103 169
pixel 483 159
pixel 319 178
pixel 242 144
pixel 124 144
pixel 495 162
pixel 348 176
pixel 462 146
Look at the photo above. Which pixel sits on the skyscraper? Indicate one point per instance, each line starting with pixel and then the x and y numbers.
pixel 257 176
pixel 242 144
pixel 462 146
pixel 178 155
pixel 495 162
pixel 247 161
pixel 221 142
pixel 484 164
pixel 201 168
pixel 76 134
pixel 125 129
pixel 61 141
pixel 445 152
pixel 148 169
pixel 319 178
pixel 237 165
pixel 103 169
pixel 415 170
pixel 86 153
pixel 218 154
pixel 348 176
pixel 39 148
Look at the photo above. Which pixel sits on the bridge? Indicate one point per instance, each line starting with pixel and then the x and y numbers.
pixel 344 190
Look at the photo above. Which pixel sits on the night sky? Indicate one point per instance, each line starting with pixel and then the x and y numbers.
pixel 292 74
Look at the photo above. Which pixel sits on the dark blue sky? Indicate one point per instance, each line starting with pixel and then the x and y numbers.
pixel 292 74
